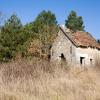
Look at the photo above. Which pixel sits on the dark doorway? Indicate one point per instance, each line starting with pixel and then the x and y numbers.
pixel 82 62
pixel 63 60
pixel 91 61
pixel 62 57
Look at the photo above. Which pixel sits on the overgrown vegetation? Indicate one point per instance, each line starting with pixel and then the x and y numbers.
pixel 39 80
pixel 16 39
pixel 34 38
pixel 10 38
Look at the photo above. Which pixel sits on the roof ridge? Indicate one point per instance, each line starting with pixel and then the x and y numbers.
pixel 84 40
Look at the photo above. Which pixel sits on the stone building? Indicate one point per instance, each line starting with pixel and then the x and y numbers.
pixel 75 48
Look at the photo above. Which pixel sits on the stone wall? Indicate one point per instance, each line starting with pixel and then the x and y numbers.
pixel 90 55
pixel 73 54
pixel 63 45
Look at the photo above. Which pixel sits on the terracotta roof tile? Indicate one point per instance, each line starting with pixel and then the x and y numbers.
pixel 83 39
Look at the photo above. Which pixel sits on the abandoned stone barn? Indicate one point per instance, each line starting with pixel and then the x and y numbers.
pixel 78 48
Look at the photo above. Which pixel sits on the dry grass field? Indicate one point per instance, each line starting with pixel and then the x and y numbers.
pixel 38 80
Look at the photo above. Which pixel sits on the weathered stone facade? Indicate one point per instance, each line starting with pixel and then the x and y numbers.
pixel 64 48
pixel 90 55
pixel 63 45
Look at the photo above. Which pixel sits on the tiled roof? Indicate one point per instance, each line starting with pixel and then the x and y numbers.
pixel 81 39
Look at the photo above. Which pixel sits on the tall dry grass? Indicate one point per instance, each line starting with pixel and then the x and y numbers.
pixel 40 80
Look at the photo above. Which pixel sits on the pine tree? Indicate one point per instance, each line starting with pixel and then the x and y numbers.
pixel 74 22
pixel 10 38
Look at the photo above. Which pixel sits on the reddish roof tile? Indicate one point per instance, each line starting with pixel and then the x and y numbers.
pixel 82 39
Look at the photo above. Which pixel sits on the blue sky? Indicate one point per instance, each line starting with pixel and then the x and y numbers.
pixel 27 10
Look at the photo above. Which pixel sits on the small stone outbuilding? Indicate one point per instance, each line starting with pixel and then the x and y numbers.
pixel 78 48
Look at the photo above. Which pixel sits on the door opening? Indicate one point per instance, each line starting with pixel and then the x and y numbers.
pixel 91 61
pixel 63 60
pixel 62 57
pixel 82 60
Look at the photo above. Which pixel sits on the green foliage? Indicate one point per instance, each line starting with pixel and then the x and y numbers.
pixel 45 26
pixel 10 38
pixel 13 24
pixel 74 22
pixel 15 39
pixel 29 32
pixel 46 18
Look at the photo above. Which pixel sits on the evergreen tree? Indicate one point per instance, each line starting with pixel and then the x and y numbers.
pixel 74 22
pixel 44 18
pixel 13 24
pixel 10 38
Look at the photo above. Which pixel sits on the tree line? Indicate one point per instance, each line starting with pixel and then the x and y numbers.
pixel 34 38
